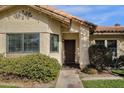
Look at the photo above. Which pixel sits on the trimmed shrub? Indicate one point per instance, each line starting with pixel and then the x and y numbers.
pixel 120 61
pixel 1 56
pixel 90 70
pixel 100 57
pixel 119 72
pixel 35 67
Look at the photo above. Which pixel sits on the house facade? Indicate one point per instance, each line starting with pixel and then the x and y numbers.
pixel 31 29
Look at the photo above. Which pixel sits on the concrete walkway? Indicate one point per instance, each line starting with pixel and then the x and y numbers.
pixel 69 79
pixel 84 76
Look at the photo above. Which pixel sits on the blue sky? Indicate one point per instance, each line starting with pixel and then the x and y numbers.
pixel 97 14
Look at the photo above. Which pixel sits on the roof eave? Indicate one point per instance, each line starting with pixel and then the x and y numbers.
pixel 63 19
pixel 52 15
pixel 109 33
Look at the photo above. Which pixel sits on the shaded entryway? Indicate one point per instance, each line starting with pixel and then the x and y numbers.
pixel 69 48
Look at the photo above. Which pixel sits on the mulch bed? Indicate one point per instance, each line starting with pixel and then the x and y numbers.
pixel 23 82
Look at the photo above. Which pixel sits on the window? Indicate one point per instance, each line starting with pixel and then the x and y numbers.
pixel 23 42
pixel 100 42
pixel 54 43
pixel 14 42
pixel 112 45
pixel 31 42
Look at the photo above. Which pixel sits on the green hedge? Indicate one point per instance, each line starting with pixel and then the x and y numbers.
pixel 100 57
pixel 36 67
pixel 119 72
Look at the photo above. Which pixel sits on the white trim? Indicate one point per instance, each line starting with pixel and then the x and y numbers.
pixel 106 43
pixel 70 32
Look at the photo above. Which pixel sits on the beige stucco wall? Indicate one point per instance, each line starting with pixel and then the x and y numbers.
pixel 84 45
pixel 2 43
pixel 8 23
pixel 55 27
pixel 75 27
pixel 39 22
pixel 119 38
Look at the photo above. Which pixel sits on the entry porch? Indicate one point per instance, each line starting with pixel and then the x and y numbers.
pixel 75 48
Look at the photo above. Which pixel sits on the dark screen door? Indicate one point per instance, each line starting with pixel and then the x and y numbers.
pixel 69 46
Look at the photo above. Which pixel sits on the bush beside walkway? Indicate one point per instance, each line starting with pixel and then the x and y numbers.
pixel 33 67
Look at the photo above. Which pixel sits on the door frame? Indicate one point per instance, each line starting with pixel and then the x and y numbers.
pixel 64 49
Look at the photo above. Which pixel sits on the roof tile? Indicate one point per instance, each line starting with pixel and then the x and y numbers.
pixel 109 29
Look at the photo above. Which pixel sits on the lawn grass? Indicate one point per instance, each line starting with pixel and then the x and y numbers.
pixel 7 86
pixel 103 83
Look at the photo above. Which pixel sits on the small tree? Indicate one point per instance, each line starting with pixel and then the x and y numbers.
pixel 100 57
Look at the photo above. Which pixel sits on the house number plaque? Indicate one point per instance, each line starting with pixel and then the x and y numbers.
pixel 22 14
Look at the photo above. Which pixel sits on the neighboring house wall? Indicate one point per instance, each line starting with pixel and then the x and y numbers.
pixel 38 23
pixel 119 38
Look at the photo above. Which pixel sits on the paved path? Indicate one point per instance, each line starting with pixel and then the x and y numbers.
pixel 102 78
pixel 99 77
pixel 69 79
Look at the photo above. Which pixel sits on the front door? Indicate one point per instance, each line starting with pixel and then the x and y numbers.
pixel 69 46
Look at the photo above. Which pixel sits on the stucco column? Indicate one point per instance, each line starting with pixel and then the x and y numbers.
pixel 84 45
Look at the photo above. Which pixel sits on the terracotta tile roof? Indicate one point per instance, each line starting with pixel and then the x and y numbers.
pixel 109 29
pixel 53 9
pixel 64 14
pixel 56 11
pixel 98 29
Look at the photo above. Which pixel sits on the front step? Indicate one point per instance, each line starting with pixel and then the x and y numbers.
pixel 71 66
